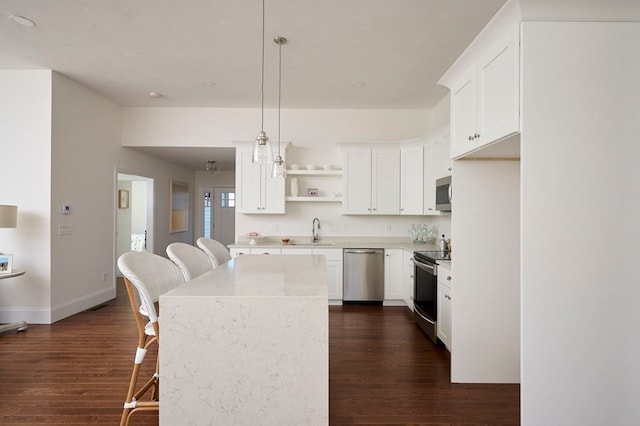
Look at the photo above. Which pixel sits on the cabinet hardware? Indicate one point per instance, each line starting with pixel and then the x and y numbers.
pixel 448 278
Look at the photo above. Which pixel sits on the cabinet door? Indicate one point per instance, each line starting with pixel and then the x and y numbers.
pixel 235 252
pixel 407 277
pixel 248 183
pixel 296 251
pixel 393 274
pixel 385 181
pixel 443 163
pixel 334 279
pixel 266 250
pixel 356 193
pixel 429 194
pixel 443 323
pixel 498 92
pixel 272 192
pixel 256 191
pixel 463 114
pixel 411 180
pixel 333 258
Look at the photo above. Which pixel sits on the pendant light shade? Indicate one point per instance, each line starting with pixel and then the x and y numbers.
pixel 279 168
pixel 262 152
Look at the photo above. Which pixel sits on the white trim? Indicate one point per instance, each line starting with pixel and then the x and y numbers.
pixel 40 315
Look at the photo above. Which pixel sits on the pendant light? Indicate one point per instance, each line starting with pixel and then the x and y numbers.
pixel 279 169
pixel 262 152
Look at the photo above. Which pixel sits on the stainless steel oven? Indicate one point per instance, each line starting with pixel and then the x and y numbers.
pixel 425 290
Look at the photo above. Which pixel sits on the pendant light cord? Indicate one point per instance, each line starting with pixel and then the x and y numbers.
pixel 279 89
pixel 262 82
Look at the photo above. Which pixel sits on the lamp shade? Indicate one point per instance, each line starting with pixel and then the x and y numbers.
pixel 8 216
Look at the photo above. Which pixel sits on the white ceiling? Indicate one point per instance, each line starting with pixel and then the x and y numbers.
pixel 207 53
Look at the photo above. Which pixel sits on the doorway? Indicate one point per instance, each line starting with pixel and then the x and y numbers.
pixel 219 214
pixel 134 213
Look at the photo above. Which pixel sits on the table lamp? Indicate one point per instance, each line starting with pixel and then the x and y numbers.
pixel 8 216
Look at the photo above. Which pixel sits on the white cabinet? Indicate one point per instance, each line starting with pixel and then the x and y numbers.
pixel 371 179
pixel 443 323
pixel 256 191
pixel 437 164
pixel 235 252
pixel 333 259
pixel 393 282
pixel 429 193
pixel 407 278
pixel 442 153
pixel 411 178
pixel 485 97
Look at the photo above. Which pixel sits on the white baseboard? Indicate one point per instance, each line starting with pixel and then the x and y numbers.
pixel 34 315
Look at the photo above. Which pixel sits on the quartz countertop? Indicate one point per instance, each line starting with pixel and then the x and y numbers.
pixel 247 344
pixel 260 276
pixel 337 242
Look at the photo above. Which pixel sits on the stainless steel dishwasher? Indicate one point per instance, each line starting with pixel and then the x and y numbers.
pixel 363 275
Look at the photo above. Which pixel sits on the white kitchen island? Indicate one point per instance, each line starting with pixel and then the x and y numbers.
pixel 247 344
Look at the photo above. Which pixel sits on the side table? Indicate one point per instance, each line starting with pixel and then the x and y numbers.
pixel 20 325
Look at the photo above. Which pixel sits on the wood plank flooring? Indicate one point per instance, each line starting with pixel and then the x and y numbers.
pixel 382 371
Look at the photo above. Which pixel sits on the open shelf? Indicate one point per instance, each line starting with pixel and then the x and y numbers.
pixel 314 172
pixel 316 199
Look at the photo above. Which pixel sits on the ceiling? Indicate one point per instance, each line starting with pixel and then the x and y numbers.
pixel 362 54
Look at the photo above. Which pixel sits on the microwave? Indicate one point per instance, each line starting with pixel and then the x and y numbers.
pixel 443 194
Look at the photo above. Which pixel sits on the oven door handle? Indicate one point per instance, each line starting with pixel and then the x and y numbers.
pixel 422 265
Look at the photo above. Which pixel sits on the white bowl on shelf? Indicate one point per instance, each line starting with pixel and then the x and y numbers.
pixel 294 167
pixel 329 167
pixel 312 167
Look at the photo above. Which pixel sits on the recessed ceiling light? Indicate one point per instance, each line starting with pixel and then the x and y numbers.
pixel 155 95
pixel 208 83
pixel 25 22
pixel 358 85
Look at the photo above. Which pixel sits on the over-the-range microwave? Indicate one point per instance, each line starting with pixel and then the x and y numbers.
pixel 443 194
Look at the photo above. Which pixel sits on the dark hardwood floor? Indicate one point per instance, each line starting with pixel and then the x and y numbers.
pixel 382 371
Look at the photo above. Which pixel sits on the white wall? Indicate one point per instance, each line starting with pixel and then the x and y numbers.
pixel 580 227
pixel 485 305
pixel 25 138
pixel 315 136
pixel 320 129
pixel 61 145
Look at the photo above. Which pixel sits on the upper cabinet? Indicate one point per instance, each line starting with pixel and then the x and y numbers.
pixel 485 93
pixel 256 191
pixel 437 164
pixel 411 177
pixel 371 179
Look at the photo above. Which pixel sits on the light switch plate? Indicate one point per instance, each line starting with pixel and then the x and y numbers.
pixel 65 229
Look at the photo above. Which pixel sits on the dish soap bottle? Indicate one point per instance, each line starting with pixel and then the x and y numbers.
pixel 443 244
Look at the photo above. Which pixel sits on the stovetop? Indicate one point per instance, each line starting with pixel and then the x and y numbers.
pixel 432 255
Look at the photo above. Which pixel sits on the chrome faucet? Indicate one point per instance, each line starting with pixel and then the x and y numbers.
pixel 314 233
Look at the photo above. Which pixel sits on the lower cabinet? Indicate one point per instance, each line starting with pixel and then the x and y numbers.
pixel 407 278
pixel 235 252
pixel 333 259
pixel 393 277
pixel 444 306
